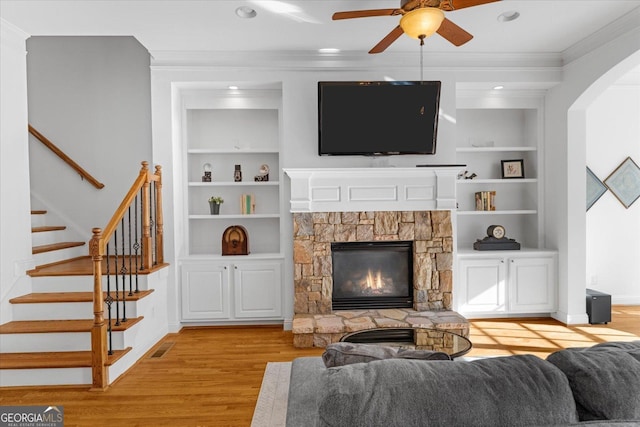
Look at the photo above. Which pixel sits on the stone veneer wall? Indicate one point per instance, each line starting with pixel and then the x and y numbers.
pixel 430 231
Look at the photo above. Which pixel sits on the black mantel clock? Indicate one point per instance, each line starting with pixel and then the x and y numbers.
pixel 496 240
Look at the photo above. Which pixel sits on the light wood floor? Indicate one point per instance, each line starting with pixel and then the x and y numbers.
pixel 212 376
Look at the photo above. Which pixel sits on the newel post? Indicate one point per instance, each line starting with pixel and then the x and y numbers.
pixel 99 372
pixel 159 217
pixel 147 256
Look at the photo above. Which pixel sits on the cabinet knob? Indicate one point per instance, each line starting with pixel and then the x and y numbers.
pixel 235 267
pixel 225 267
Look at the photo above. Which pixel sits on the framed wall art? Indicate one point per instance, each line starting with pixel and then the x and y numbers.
pixel 512 168
pixel 624 182
pixel 595 188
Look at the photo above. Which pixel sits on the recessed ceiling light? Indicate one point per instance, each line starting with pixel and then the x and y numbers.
pixel 498 87
pixel 233 87
pixel 246 12
pixel 329 50
pixel 511 15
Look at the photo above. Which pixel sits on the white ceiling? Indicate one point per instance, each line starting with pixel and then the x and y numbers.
pixel 544 26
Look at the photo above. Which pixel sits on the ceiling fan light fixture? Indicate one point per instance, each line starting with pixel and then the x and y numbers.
pixel 422 22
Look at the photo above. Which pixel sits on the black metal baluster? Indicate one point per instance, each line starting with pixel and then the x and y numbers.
pixel 109 300
pixel 142 216
pixel 130 255
pixel 115 251
pixel 136 244
pixel 123 270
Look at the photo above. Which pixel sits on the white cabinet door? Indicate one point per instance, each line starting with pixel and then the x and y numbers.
pixel 531 285
pixel 257 288
pixel 481 286
pixel 205 291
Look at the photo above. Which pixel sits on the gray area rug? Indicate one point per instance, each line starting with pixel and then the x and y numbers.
pixel 271 407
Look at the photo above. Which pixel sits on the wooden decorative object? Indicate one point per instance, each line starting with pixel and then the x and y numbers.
pixel 235 241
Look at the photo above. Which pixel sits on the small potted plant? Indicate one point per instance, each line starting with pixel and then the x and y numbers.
pixel 214 204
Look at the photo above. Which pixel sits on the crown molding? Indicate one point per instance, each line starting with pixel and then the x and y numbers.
pixel 311 60
pixel 627 24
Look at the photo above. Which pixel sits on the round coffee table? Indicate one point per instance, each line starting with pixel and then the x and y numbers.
pixel 419 338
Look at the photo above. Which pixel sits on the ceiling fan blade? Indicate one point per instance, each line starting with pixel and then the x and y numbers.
pixel 450 5
pixel 364 13
pixel 387 40
pixel 453 33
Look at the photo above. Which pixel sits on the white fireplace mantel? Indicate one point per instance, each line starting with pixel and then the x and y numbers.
pixel 373 189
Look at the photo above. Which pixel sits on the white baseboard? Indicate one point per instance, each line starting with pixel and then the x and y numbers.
pixel 625 299
pixel 571 319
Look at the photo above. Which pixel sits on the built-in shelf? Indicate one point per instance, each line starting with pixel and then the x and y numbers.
pixel 231 183
pixel 227 151
pixel 501 212
pixel 238 216
pixel 497 181
pixel 493 149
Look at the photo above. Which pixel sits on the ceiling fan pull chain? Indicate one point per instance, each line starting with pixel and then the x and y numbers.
pixel 421 58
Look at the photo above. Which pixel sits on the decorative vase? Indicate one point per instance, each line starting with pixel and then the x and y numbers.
pixel 215 208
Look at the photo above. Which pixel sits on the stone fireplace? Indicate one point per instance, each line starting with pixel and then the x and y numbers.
pixel 373 205
pixel 430 232
pixel 372 275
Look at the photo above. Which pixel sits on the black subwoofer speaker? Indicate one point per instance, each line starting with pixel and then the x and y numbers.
pixel 598 307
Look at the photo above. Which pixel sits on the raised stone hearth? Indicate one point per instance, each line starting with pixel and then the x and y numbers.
pixel 322 329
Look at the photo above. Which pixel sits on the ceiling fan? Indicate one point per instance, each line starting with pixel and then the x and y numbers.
pixel 420 19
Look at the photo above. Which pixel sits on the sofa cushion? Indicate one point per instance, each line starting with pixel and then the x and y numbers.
pixel 503 391
pixel 605 380
pixel 346 353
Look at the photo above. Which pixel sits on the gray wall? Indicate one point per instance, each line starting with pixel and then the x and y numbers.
pixel 91 97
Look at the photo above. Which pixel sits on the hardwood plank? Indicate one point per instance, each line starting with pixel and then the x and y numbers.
pixel 55 359
pixel 212 376
pixel 59 297
pixel 83 266
pixel 48 228
pixel 55 247
pixel 52 326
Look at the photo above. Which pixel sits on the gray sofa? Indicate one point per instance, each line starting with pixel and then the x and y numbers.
pixel 595 386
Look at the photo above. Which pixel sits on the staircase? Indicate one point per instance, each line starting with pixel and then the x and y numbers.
pixel 48 342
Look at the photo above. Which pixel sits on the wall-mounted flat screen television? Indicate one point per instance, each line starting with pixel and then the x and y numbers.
pixel 378 118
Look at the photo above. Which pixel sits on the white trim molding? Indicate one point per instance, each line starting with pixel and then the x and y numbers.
pixel 373 189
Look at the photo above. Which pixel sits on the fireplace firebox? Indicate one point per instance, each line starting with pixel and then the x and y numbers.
pixel 372 275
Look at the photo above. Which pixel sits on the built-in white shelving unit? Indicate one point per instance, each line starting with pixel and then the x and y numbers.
pixel 491 129
pixel 222 129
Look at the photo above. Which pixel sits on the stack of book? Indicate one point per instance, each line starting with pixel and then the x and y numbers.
pixel 485 201
pixel 247 204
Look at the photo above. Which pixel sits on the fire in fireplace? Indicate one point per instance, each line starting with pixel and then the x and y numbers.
pixel 370 275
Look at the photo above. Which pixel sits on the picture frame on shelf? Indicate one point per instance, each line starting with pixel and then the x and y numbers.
pixel 595 188
pixel 512 169
pixel 624 182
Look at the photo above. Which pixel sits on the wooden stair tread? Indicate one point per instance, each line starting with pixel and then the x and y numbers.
pixel 53 326
pixel 48 228
pixel 57 359
pixel 38 212
pixel 55 246
pixel 54 297
pixel 81 266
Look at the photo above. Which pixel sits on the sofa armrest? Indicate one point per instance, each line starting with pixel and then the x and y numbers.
pixel 304 388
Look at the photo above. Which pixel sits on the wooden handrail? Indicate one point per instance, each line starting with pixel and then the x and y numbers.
pixel 98 252
pixel 51 146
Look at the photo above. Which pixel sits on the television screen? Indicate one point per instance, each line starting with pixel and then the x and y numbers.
pixel 378 118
